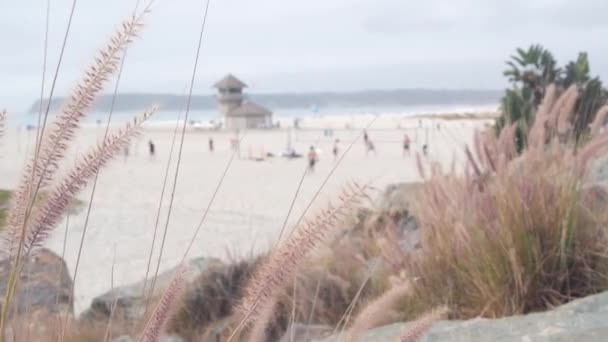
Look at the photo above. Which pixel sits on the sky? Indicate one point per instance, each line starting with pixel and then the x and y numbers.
pixel 297 46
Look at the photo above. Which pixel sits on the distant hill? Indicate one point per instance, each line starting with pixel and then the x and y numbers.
pixel 385 98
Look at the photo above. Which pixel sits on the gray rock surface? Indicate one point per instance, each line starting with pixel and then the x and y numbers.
pixel 398 196
pixel 45 284
pixel 129 300
pixel 584 319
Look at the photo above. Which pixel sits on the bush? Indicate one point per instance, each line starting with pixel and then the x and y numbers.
pixel 514 234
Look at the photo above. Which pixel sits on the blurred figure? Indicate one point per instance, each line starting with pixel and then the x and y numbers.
pixel 151 148
pixel 370 148
pixel 210 144
pixel 425 149
pixel 335 149
pixel 312 158
pixel 406 144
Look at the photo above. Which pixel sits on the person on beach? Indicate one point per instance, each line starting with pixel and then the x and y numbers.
pixel 151 148
pixel 406 144
pixel 210 144
pixel 365 138
pixel 425 149
pixel 370 148
pixel 312 158
pixel 335 149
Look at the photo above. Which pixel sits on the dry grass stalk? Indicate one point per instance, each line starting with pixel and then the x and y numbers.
pixel 377 312
pixel 564 112
pixel 52 148
pixel 272 275
pixel 156 323
pixel 258 330
pixel 55 205
pixel 422 325
pixel 598 122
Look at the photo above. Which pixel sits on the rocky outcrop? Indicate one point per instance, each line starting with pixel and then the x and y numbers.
pixel 129 300
pixel 584 319
pixel 44 285
pixel 398 196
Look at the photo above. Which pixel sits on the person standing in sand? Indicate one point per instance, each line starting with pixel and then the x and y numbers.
pixel 312 158
pixel 152 148
pixel 335 149
pixel 370 148
pixel 406 144
pixel 210 144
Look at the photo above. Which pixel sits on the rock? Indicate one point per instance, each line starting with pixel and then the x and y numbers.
pixel 409 234
pixel 584 319
pixel 45 284
pixel 399 196
pixel 304 333
pixel 598 170
pixel 129 301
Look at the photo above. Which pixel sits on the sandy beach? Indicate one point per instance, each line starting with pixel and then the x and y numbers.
pixel 252 202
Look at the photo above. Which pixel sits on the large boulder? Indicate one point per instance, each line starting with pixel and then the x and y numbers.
pixel 399 196
pixel 584 319
pixel 129 300
pixel 45 285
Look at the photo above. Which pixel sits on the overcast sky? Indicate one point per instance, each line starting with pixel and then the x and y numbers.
pixel 312 45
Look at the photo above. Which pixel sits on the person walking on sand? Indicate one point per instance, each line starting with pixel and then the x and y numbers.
pixel 210 144
pixel 152 148
pixel 365 138
pixel 335 149
pixel 312 158
pixel 406 144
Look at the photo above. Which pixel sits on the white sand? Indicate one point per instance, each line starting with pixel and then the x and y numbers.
pixel 251 204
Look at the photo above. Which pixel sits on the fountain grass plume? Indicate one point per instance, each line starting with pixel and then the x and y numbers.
pixel 52 146
pixel 272 275
pixel 422 325
pixel 54 206
pixel 377 312
pixel 156 323
pixel 598 122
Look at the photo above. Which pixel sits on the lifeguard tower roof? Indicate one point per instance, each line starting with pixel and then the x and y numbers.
pixel 230 82
pixel 249 109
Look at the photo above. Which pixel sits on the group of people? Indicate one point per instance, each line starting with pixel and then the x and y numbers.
pixel 369 145
pixel 312 155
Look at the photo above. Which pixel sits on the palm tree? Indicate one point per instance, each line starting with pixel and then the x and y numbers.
pixel 577 72
pixel 534 68
pixel 530 72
